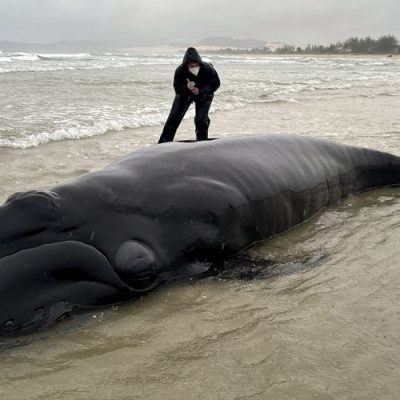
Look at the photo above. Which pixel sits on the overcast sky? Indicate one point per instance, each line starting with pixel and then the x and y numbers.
pixel 134 22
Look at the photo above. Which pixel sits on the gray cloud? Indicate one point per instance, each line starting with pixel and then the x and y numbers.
pixel 156 21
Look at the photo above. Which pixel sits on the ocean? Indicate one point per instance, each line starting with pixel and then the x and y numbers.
pixel 52 97
pixel 325 325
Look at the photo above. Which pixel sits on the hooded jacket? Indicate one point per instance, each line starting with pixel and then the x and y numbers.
pixel 207 80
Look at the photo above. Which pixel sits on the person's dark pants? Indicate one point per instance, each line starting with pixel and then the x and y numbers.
pixel 178 111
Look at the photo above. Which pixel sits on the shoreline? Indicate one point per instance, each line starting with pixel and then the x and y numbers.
pixel 274 54
pixel 51 164
pixel 345 119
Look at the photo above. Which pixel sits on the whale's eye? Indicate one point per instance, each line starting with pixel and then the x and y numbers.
pixel 136 263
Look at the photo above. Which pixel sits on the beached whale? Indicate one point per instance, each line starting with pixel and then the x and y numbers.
pixel 162 212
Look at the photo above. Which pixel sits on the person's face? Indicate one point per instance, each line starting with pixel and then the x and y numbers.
pixel 193 64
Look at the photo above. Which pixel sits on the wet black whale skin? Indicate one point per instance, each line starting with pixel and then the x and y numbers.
pixel 112 235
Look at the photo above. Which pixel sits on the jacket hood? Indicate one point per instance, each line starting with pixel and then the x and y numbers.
pixel 191 55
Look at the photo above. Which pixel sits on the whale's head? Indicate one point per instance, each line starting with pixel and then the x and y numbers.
pixel 49 265
pixel 43 273
pixel 41 285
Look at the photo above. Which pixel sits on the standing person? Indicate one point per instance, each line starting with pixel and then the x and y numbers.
pixel 194 81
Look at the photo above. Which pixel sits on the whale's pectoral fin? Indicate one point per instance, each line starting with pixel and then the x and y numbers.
pixel 244 266
pixel 195 270
pixel 137 266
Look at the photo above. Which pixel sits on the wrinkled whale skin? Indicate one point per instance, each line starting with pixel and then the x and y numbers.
pixel 160 213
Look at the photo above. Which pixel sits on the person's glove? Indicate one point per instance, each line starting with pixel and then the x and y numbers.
pixel 190 85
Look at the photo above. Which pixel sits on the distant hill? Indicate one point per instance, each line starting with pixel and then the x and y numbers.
pixel 218 42
pixel 225 42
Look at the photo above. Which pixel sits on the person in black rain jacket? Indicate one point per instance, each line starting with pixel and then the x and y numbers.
pixel 194 81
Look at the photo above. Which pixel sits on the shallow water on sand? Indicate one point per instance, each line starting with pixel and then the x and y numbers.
pixel 323 325
pixel 326 328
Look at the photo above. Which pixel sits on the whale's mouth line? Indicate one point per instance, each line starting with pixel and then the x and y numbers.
pixel 25 253
pixel 32 248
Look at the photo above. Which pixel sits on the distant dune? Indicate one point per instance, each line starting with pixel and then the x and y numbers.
pixel 224 42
